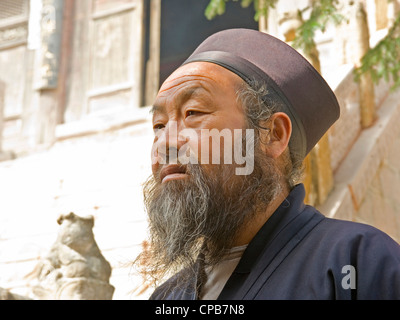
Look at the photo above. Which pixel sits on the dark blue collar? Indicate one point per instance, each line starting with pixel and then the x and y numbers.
pixel 289 209
pixel 282 231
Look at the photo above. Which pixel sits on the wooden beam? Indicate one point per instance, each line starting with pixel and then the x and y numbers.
pixel 153 63
pixel 366 86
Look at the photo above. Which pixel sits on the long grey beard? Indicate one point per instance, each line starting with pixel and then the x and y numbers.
pixel 202 213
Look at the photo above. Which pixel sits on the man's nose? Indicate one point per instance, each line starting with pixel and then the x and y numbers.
pixel 167 144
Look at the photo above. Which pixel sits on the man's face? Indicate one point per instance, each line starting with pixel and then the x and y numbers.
pixel 197 98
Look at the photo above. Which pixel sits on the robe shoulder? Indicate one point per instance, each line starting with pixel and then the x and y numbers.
pixel 343 233
pixel 374 255
pixel 336 260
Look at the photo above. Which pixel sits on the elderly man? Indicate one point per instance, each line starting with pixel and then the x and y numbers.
pixel 236 227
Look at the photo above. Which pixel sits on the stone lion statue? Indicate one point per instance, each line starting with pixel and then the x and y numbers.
pixel 74 268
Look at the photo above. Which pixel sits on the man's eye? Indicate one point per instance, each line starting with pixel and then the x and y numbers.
pixel 158 127
pixel 192 113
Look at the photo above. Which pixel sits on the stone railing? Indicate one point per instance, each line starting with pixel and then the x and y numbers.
pixel 359 102
pixel 345 131
pixel 367 179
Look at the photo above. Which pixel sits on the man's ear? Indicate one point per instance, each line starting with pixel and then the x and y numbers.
pixel 275 140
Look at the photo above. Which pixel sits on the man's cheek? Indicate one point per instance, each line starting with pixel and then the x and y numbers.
pixel 188 151
pixel 156 158
pixel 228 147
pixel 158 149
pixel 244 152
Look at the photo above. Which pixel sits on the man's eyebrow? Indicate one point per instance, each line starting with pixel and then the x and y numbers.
pixel 155 109
pixel 181 98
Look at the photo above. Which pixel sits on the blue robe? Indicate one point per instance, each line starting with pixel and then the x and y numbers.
pixel 301 254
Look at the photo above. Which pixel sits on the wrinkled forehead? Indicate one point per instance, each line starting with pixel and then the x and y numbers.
pixel 204 79
pixel 205 73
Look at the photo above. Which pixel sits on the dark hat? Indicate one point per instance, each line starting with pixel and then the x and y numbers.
pixel 253 55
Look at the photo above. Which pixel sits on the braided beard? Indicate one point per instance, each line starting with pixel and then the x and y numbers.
pixel 202 213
